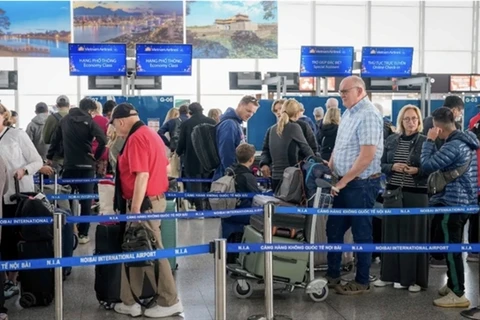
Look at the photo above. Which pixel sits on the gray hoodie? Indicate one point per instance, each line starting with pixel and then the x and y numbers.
pixel 34 131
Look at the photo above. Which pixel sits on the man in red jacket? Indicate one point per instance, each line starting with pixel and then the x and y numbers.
pixel 474 126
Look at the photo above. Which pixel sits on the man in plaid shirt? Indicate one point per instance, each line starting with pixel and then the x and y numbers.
pixel 356 163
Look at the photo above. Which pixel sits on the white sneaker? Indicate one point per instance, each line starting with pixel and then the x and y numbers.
pixel 162 312
pixel 443 291
pixel 381 284
pixel 397 285
pixel 135 310
pixel 415 288
pixel 451 300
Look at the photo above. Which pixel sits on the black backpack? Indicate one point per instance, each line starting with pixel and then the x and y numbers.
pixel 204 140
pixel 175 135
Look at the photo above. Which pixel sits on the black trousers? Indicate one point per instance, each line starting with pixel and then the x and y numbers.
pixel 452 226
pixel 473 227
pixel 2 295
pixel 82 188
pixel 436 235
pixel 198 187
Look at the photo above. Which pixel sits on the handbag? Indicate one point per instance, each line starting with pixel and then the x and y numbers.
pixel 394 198
pixel 138 238
pixel 438 180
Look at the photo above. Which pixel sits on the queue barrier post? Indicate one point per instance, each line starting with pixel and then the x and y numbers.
pixel 268 275
pixel 220 256
pixel 58 221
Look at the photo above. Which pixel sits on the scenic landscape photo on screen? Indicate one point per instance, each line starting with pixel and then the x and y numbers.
pixel 128 22
pixel 232 29
pixel 34 28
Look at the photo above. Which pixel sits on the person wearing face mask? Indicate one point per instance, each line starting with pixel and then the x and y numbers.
pixel 76 132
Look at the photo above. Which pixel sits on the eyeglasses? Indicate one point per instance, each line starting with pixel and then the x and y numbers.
pixel 414 119
pixel 343 92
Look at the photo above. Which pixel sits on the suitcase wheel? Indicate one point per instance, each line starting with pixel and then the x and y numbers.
pixel 243 289
pixel 27 300
pixel 321 296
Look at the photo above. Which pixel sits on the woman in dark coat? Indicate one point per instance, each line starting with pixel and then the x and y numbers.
pixel 328 133
pixel 401 164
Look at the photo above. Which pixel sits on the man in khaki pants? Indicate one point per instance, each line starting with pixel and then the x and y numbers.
pixel 142 172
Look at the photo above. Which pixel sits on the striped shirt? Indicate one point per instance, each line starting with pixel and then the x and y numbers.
pixel 361 125
pixel 401 156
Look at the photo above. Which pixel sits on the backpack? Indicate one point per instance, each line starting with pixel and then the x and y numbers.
pixel 225 184
pixel 175 135
pixel 204 140
pixel 59 151
pixel 292 187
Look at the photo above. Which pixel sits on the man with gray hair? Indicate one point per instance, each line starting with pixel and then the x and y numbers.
pixel 331 103
pixel 355 163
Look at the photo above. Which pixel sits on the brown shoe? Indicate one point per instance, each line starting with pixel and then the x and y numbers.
pixel 352 288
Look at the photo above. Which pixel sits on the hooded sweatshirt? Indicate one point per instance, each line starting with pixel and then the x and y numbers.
pixel 229 136
pixel 35 131
pixel 458 149
pixel 76 132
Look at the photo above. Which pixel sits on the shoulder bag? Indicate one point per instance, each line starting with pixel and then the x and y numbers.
pixel 438 180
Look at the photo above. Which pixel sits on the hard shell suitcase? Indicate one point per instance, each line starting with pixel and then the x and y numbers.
pixel 286 265
pixel 168 230
pixel 283 225
pixel 108 276
pixel 36 286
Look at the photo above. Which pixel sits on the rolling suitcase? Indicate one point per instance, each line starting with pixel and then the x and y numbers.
pixel 168 230
pixel 36 286
pixel 108 240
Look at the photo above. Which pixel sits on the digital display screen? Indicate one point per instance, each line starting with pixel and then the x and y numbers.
pixel 106 59
pixel 164 60
pixel 386 62
pixel 308 84
pixel 326 61
pixel 460 83
pixel 475 82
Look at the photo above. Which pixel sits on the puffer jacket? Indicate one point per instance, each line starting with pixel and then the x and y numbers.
pixel 459 148
pixel 391 145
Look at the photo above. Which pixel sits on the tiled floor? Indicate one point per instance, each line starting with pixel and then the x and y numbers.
pixel 195 283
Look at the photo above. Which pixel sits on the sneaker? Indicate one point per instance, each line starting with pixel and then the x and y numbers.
pixel 397 285
pixel 451 300
pixel 162 312
pixel 10 289
pixel 414 288
pixel 381 284
pixel 443 291
pixel 434 263
pixel 83 239
pixel 135 310
pixel 353 288
pixel 333 282
pixel 472 257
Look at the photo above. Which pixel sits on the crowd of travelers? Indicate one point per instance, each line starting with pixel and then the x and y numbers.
pixel 360 147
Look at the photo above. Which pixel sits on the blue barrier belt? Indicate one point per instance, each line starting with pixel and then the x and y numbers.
pixel 134 217
pixel 96 180
pixel 321 247
pixel 377 212
pixel 103 259
pixel 167 194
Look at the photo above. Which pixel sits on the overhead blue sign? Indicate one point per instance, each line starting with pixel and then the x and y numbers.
pixel 164 59
pixel 326 61
pixel 107 59
pixel 386 62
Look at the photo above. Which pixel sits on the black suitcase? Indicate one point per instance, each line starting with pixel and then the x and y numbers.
pixel 108 276
pixel 36 286
pixel 283 225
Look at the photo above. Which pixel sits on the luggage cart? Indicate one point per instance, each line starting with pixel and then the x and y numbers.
pixel 315 288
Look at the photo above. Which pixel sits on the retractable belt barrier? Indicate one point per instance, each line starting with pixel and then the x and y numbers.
pixel 96 180
pixel 167 194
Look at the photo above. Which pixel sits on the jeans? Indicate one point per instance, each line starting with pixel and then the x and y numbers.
pixel 358 194
pixel 82 188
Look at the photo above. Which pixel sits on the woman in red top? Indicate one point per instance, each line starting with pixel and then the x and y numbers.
pixel 102 122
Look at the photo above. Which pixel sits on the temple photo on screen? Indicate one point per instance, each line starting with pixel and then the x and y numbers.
pixel 128 22
pixel 34 28
pixel 232 29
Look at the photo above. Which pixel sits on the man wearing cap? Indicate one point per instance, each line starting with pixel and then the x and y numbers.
pixel 35 129
pixel 191 163
pixel 140 187
pixel 51 124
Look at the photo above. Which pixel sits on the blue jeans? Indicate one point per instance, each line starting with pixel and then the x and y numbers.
pixel 358 194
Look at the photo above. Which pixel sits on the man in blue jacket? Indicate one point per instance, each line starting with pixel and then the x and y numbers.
pixel 230 132
pixel 458 150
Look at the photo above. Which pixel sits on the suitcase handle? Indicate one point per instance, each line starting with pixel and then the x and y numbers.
pixel 284 232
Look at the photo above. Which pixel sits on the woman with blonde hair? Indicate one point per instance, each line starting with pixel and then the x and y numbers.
pixel 215 114
pixel 328 132
pixel 287 144
pixel 406 188
pixel 171 114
